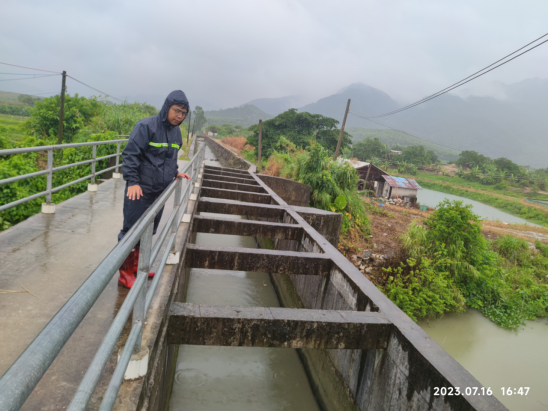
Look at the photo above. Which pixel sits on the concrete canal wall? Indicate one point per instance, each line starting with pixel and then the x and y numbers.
pixel 401 377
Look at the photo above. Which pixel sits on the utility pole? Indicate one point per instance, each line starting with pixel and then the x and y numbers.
pixel 189 128
pixel 342 129
pixel 259 147
pixel 192 133
pixel 62 109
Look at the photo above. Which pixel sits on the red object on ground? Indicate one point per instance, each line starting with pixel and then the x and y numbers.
pixel 136 262
pixel 127 278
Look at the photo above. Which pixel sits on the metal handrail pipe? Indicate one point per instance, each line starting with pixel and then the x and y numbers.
pixel 93 374
pixel 24 374
pixel 87 386
pixel 165 230
pixel 85 162
pixel 159 270
pixel 162 237
pixel 58 188
pixel 56 147
pixel 25 199
pixel 28 175
pixel 118 376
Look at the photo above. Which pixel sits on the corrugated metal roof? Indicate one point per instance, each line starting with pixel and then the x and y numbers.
pixel 395 181
pixel 355 163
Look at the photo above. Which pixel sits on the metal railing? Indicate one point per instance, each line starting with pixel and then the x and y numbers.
pixel 25 373
pixel 50 169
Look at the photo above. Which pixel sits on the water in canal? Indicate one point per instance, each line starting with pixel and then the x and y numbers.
pixel 237 378
pixel 432 198
pixel 498 357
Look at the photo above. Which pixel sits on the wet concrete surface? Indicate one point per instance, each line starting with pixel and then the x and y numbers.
pixel 51 256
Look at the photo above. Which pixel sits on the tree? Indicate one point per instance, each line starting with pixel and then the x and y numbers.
pixel 508 166
pixel 367 150
pixel 199 119
pixel 470 159
pixel 300 129
pixel 44 118
pixel 418 155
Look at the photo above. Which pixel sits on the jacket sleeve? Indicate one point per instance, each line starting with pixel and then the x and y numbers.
pixel 133 153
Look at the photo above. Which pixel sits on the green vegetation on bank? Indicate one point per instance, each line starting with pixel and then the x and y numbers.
pixel 333 183
pixel 451 266
pixel 85 120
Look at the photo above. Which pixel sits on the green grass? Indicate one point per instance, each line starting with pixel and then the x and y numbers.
pixel 511 191
pixel 12 126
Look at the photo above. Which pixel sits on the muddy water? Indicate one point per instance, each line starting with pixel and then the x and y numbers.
pixel 498 357
pixel 431 198
pixel 234 378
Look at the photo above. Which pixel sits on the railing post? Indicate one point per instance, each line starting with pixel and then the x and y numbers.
pixel 117 174
pixel 92 187
pixel 49 207
pixel 174 255
pixel 143 270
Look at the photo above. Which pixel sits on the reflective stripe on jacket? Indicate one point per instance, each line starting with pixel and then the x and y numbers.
pixel 150 157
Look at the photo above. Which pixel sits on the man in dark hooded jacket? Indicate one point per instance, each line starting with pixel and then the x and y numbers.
pixel 150 165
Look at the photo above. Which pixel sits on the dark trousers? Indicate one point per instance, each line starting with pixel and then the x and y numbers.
pixel 134 209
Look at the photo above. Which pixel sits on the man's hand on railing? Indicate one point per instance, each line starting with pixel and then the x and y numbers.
pixel 134 192
pixel 186 176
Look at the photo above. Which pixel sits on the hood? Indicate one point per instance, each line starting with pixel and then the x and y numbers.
pixel 175 97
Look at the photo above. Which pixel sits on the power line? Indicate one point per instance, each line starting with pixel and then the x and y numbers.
pixel 463 81
pixel 24 74
pixel 402 131
pixel 93 88
pixel 30 68
pixel 39 76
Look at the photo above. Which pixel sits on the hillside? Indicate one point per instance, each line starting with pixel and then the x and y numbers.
pixel 244 116
pixel 393 137
pixel 514 126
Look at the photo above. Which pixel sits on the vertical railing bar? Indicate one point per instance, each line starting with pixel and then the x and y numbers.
pixel 94 155
pixel 118 376
pixel 49 181
pixel 117 157
pixel 159 270
pixel 143 271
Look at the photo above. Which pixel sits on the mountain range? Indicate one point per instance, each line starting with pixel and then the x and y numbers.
pixel 514 125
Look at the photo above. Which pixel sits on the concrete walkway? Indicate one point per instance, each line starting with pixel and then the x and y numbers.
pixel 51 256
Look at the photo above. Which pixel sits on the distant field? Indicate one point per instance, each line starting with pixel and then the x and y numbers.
pixel 10 98
pixel 13 126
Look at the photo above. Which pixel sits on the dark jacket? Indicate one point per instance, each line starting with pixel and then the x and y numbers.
pixel 150 157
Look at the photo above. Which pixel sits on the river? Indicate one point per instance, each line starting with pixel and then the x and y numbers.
pixel 498 357
pixel 237 378
pixel 431 198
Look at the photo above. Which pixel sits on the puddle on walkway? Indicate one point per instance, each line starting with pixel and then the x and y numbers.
pixel 237 378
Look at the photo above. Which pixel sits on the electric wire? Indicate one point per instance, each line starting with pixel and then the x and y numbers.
pixel 463 81
pixel 30 68
pixel 26 78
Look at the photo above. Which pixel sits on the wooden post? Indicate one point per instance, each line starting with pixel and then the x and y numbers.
pixel 259 146
pixel 367 174
pixel 342 129
pixel 62 109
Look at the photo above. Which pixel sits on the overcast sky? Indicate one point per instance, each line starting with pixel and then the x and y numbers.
pixel 226 53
